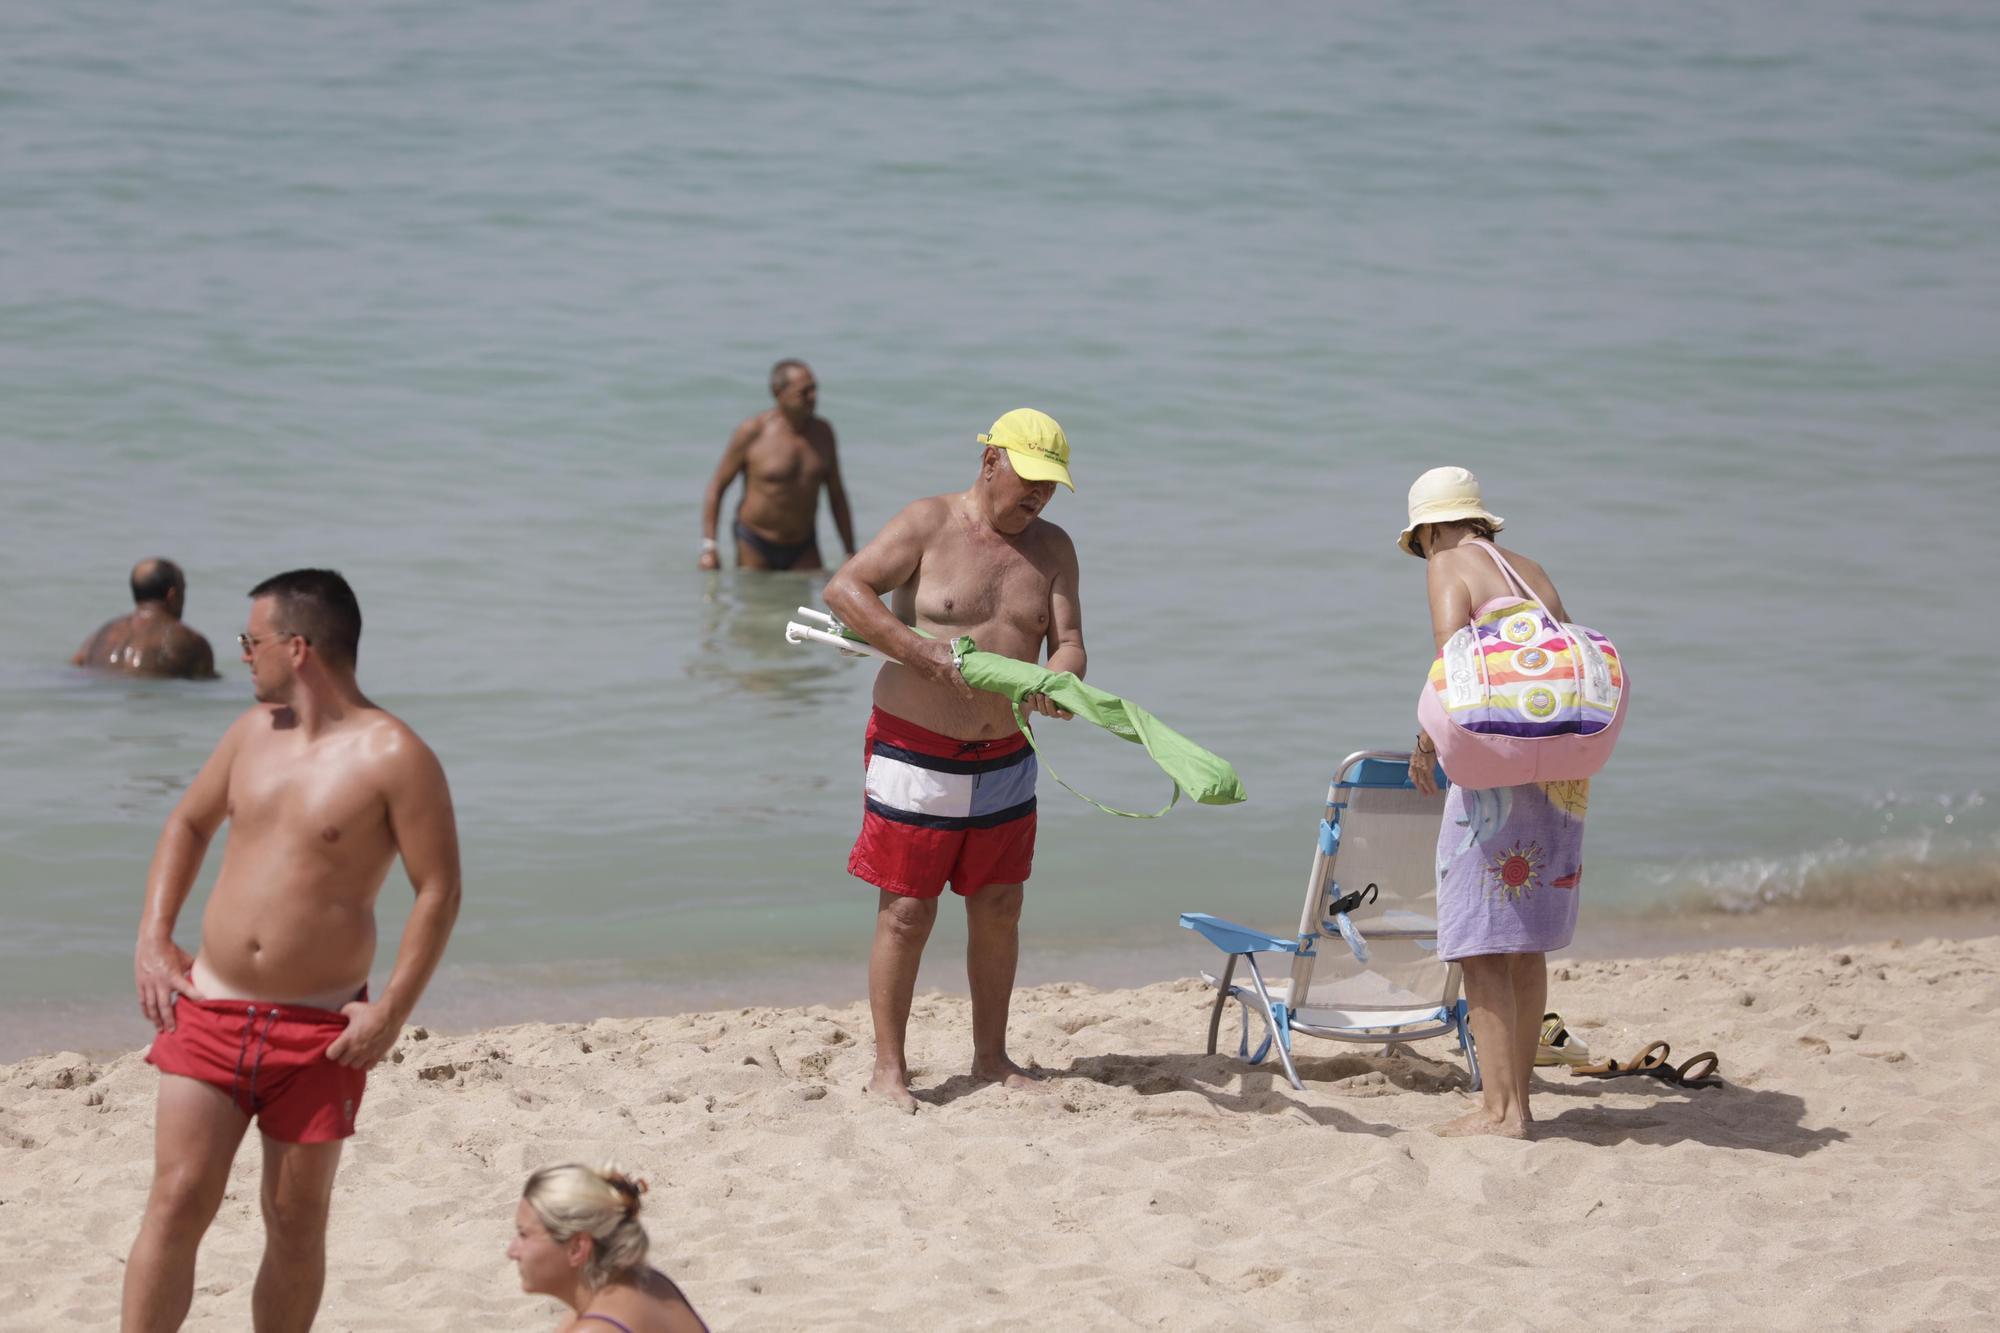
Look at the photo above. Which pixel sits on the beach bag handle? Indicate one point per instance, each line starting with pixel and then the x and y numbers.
pixel 1520 586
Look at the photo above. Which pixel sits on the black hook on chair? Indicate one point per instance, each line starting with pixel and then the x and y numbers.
pixel 1353 900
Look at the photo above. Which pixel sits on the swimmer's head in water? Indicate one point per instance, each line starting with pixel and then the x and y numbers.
pixel 315 605
pixel 158 580
pixel 587 1215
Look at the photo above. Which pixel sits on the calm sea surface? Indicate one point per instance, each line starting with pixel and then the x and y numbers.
pixel 464 299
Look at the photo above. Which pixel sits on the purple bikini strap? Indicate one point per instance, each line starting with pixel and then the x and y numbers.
pixel 615 1323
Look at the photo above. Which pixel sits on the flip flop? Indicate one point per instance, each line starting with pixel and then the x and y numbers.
pixel 1709 1077
pixel 1645 1062
pixel 1557 1046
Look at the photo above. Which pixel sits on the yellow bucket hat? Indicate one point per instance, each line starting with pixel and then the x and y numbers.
pixel 1036 445
pixel 1445 495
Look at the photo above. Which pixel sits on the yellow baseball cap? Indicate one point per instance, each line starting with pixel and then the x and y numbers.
pixel 1039 450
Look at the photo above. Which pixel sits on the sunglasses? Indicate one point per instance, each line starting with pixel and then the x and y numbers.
pixel 249 642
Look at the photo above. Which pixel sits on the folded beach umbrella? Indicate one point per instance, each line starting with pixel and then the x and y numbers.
pixel 1206 776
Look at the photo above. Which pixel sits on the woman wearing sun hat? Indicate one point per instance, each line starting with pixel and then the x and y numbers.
pixel 1510 859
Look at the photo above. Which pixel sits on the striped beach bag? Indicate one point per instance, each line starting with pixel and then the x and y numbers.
pixel 1517 696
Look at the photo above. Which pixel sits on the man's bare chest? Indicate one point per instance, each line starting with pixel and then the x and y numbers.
pixel 308 798
pixel 963 587
pixel 785 461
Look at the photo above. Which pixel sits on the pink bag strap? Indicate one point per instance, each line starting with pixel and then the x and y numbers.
pixel 1519 584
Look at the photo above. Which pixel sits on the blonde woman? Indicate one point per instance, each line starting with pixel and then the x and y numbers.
pixel 577 1237
pixel 1509 859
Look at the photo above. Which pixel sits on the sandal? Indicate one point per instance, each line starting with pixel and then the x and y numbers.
pixel 1709 1077
pixel 1645 1062
pixel 1557 1046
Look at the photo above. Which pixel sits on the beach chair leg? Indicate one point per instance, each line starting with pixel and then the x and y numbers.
pixel 1461 1016
pixel 1221 999
pixel 1280 1035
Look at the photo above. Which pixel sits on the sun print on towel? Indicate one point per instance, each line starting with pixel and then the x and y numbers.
pixel 1516 872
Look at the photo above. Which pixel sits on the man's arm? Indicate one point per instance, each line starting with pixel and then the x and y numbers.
pixel 1065 640
pixel 204 658
pixel 854 594
pixel 159 966
pixel 1066 652
pixel 836 494
pixel 426 833
pixel 88 652
pixel 187 655
pixel 735 456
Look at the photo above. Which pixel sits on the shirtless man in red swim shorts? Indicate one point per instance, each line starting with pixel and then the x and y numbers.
pixel 950 779
pixel 271 1020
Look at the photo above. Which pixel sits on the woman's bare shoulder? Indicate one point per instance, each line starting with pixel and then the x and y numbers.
pixel 1522 563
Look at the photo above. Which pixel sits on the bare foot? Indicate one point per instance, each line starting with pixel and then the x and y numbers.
pixel 1479 1122
pixel 894 1089
pixel 1008 1075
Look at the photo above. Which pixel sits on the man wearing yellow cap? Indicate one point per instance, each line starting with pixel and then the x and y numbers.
pixel 950 790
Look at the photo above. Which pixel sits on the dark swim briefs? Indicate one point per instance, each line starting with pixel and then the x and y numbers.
pixel 777 555
pixel 938 808
pixel 270 1059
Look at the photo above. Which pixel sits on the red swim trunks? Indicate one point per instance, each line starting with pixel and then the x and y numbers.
pixel 270 1059
pixel 938 808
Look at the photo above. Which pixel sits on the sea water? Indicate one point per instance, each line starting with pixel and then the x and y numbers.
pixel 464 300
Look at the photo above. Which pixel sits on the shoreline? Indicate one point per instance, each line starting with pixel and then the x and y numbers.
pixel 472 997
pixel 1838 1175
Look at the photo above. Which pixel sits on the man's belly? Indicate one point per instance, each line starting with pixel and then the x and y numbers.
pixel 213 987
pixel 983 716
pixel 293 944
pixel 787 513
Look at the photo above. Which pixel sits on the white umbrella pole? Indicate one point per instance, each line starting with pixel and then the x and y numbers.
pixel 797 633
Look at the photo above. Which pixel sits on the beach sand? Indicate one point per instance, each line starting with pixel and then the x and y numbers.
pixel 1847 1176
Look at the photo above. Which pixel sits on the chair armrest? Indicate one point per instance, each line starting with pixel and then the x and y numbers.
pixel 1232 938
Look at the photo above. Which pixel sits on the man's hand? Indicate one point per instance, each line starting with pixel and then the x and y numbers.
pixel 936 663
pixel 709 560
pixel 371 1031
pixel 1047 707
pixel 159 968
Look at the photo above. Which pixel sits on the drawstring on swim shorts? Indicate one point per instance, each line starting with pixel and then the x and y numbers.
pixel 256 1062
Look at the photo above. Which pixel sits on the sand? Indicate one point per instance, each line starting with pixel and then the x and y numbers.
pixel 1847 1176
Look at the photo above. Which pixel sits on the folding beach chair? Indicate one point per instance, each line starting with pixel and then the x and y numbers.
pixel 1364 964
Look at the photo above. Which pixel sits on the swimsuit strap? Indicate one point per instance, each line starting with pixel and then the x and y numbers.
pixel 605 1318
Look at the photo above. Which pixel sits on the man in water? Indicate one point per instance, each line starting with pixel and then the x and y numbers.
pixel 151 641
pixel 950 779
pixel 272 1020
pixel 784 455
